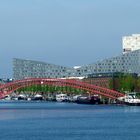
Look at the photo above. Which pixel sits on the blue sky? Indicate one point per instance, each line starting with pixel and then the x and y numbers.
pixel 64 32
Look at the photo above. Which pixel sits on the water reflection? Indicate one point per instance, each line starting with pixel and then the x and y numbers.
pixel 46 120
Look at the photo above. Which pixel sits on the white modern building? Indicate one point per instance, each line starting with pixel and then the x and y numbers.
pixel 29 68
pixel 131 43
pixel 128 62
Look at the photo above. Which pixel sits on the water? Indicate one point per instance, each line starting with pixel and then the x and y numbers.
pixel 67 121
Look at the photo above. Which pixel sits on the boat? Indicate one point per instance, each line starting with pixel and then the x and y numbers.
pixel 7 97
pixel 74 98
pixel 61 98
pixel 88 100
pixel 37 97
pixel 21 97
pixel 131 99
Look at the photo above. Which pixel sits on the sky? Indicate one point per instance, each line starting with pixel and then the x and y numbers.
pixel 64 32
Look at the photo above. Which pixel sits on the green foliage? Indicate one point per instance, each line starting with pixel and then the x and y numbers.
pixel 126 82
pixel 138 82
pixel 111 83
pixel 50 89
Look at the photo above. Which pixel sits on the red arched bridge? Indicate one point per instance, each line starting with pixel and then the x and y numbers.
pixel 8 88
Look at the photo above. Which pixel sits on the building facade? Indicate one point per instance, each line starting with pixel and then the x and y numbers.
pixel 28 68
pixel 126 63
pixel 131 43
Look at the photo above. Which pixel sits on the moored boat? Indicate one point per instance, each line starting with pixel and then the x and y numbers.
pixel 131 99
pixel 21 97
pixel 61 98
pixel 37 97
pixel 88 100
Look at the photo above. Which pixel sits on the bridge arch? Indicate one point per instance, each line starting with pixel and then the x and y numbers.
pixel 8 88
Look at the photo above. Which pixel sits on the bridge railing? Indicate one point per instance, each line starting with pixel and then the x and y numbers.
pixel 10 87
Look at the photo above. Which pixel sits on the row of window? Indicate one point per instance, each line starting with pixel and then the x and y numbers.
pixel 125 62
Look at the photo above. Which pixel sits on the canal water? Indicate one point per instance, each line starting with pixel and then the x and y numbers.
pixel 68 121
